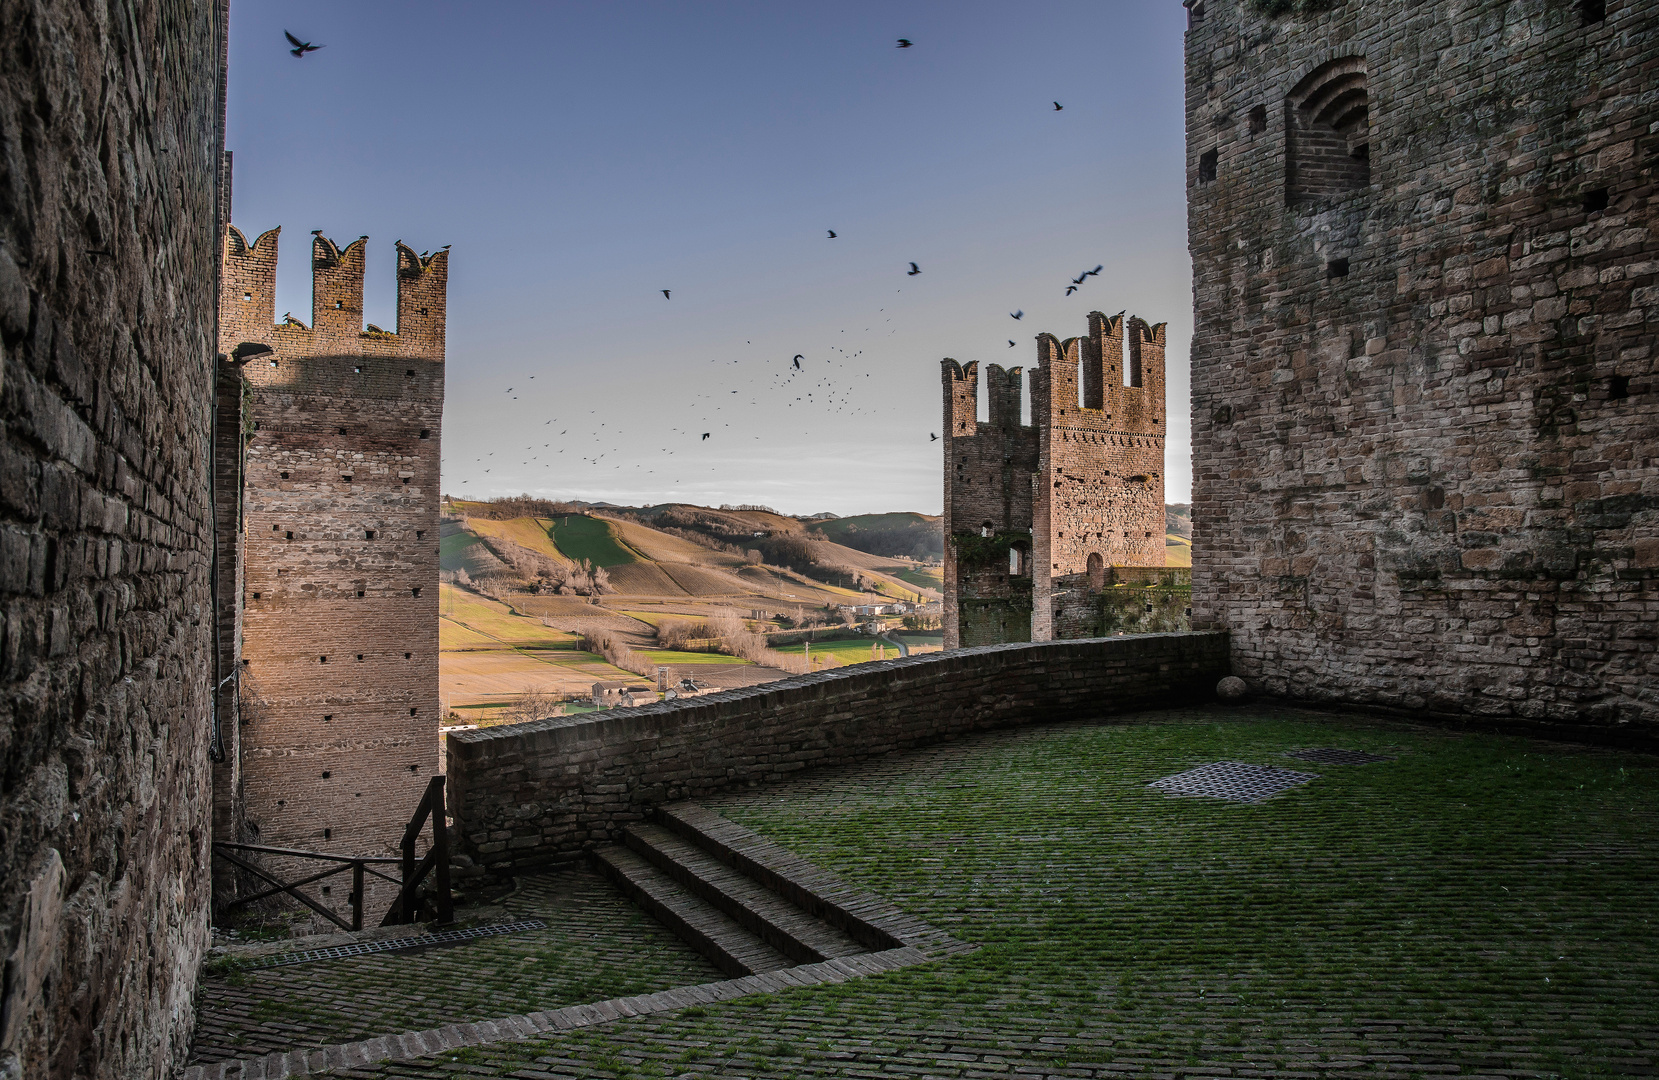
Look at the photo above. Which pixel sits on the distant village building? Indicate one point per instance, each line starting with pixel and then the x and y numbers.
pixel 612 695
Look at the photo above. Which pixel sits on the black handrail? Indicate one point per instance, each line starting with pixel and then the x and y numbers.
pixel 406 908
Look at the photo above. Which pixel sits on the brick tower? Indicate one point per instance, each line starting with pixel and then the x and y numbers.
pixel 339 532
pixel 1039 513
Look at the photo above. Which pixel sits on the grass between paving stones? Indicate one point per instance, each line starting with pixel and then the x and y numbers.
pixel 1480 904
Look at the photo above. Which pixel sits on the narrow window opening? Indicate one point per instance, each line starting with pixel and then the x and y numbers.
pixel 322 659
pixel 414 768
pixel 327 717
pixel 328 834
pixel 1596 201
pixel 247 296
pixel 285 476
pixel 1207 166
pixel 1618 388
pixel 360 655
pixel 1591 12
pixel 407 655
pixel 368 534
pixel 416 592
pixel 405 479
pixel 338 305
pixel 359 594
pixel 1258 119
pixel 342 431
pixel 326 774
pixel 411 712
pixel 327 888
pixel 288 536
pixel 425 433
pixel 419 533
pixel 358 370
pixel 1336 268
pixel 410 374
pixel 273 363
pixel 423 311
pixel 346 477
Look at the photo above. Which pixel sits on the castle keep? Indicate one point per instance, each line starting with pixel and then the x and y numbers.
pixel 333 533
pixel 1426 287
pixel 1038 514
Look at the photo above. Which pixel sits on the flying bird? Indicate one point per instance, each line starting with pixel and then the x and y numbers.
pixel 914 270
pixel 1086 273
pixel 300 48
pixel 832 234
pixel 905 43
pixel 665 294
pixel 1020 314
pixel 1058 106
pixel 932 437
pixel 1010 344
pixel 1070 289
pixel 705 436
pixel 797 361
pixel 1080 278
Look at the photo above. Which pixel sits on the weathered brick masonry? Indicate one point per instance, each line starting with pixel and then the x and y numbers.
pixel 1036 513
pixel 339 603
pixel 110 142
pixel 1424 404
pixel 528 793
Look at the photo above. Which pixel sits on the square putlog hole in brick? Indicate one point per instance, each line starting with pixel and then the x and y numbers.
pixel 1234 781
pixel 1331 756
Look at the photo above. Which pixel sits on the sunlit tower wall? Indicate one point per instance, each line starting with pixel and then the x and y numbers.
pixel 339 650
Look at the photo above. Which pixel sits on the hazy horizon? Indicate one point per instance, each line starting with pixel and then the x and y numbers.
pixel 579 160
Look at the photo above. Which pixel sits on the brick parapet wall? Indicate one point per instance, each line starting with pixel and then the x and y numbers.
pixel 110 129
pixel 530 793
pixel 1423 410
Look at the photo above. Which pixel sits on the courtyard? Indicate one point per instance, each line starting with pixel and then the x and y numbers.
pixel 1470 905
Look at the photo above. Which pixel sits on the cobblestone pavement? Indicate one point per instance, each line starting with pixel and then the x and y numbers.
pixel 597 945
pixel 1476 906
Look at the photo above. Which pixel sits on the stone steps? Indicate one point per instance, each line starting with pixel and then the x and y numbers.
pixel 791 931
pixel 727 944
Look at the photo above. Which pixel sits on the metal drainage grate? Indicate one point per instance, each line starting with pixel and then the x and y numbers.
pixel 1233 780
pixel 1329 756
pixel 363 948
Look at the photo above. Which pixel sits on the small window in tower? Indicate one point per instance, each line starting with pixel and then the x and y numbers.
pixel 338 305
pixel 1258 119
pixel 1207 163
pixel 358 370
pixel 416 592
pixel 405 479
pixel 1336 268
pixel 247 296
pixel 322 659
pixel 273 362
pixel 1618 388
pixel 411 712
pixel 328 834
pixel 423 311
pixel 285 476
pixel 368 534
pixel 346 477
pixel 410 374
pixel 419 533
pixel 288 535
pixel 1591 12
pixel 342 431
pixel 326 774
pixel 407 655
pixel 359 594
pixel 1596 201
pixel 327 717
pixel 425 432
pixel 414 768
pixel 360 655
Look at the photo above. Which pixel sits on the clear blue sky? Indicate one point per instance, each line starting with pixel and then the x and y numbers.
pixel 582 157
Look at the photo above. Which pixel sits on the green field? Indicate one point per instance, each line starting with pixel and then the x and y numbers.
pixel 932 577
pixel 852 531
pixel 1177 550
pixel 581 537
pixel 678 658
pixel 492 619
pixel 845 650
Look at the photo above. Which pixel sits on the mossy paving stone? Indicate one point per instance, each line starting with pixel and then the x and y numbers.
pixel 1478 905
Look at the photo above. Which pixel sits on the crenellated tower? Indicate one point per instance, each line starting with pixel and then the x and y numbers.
pixel 1038 514
pixel 338 535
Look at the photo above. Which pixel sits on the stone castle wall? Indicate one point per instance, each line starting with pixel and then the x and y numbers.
pixel 111 133
pixel 339 661
pixel 1035 514
pixel 1426 286
pixel 526 794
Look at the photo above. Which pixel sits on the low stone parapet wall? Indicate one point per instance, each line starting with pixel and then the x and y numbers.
pixel 528 794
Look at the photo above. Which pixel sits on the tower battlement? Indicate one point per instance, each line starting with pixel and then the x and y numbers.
pixel 1038 513
pixel 247 302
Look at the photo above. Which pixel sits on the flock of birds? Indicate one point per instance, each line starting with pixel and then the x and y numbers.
pixel 791 386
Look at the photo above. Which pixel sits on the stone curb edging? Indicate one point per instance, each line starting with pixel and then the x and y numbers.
pixel 419 1044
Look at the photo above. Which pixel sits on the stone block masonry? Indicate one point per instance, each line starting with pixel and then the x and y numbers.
pixel 1036 514
pixel 339 512
pixel 529 794
pixel 111 135
pixel 1425 406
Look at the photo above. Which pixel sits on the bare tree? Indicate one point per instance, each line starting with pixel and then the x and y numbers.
pixel 535 704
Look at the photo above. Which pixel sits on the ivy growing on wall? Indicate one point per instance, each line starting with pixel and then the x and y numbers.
pixel 974 550
pixel 1292 7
